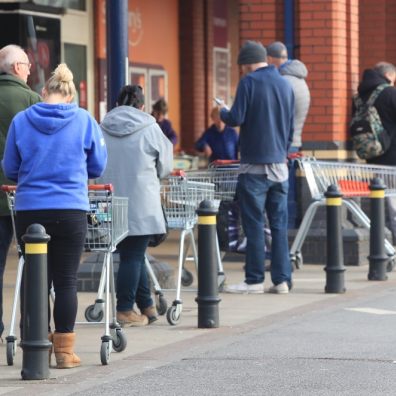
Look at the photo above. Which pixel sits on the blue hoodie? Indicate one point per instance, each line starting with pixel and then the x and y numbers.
pixel 51 151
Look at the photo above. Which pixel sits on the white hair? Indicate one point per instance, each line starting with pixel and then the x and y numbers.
pixel 9 55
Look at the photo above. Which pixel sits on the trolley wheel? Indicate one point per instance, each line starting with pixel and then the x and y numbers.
pixel 119 341
pixel 171 315
pixel 105 353
pixel 391 265
pixel 11 352
pixel 297 260
pixel 90 316
pixel 186 278
pixel 162 305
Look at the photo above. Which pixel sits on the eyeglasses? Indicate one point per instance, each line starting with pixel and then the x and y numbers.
pixel 28 64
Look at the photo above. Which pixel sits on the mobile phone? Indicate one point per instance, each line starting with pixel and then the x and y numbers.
pixel 220 102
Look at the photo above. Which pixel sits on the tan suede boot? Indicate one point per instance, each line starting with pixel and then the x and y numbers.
pixel 63 348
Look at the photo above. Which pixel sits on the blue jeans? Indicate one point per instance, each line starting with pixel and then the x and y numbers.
pixel 257 194
pixel 132 281
pixel 6 233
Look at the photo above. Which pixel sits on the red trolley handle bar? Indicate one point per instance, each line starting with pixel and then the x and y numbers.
pixel 100 187
pixel 223 162
pixel 8 188
pixel 178 172
pixel 91 187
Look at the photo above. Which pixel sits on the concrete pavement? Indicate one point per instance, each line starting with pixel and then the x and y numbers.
pixel 157 344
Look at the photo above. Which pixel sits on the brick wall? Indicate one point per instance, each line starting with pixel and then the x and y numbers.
pixel 377 19
pixel 192 71
pixel 326 40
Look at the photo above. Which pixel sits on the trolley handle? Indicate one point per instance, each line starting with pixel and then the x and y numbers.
pixel 92 187
pixel 223 162
pixel 8 188
pixel 178 172
pixel 100 187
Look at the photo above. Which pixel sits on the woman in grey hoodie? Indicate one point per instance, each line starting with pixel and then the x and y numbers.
pixel 139 154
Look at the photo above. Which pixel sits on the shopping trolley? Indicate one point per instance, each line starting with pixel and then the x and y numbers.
pixel 107 225
pixel 180 198
pixel 352 180
pixel 223 174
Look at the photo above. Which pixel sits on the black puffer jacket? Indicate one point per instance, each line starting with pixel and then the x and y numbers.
pixel 386 107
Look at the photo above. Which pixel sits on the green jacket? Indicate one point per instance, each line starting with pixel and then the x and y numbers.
pixel 15 96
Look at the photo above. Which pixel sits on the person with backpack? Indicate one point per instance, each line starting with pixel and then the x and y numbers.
pixel 376 90
pixel 377 87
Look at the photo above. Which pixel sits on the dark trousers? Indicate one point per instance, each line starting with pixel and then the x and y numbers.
pixel 6 233
pixel 132 281
pixel 67 229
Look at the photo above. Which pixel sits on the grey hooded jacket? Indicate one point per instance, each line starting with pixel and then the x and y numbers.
pixel 138 155
pixel 296 73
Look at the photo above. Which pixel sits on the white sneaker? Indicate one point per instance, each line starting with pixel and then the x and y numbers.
pixel 281 288
pixel 244 288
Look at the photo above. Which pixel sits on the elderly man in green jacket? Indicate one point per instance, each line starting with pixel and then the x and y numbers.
pixel 15 96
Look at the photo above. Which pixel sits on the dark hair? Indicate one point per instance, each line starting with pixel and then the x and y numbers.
pixel 160 106
pixel 131 95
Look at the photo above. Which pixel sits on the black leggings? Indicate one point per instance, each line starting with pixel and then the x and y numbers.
pixel 67 229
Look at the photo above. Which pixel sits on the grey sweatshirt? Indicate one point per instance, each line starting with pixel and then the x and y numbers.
pixel 296 73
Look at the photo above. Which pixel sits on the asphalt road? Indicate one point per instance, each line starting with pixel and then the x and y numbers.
pixel 341 347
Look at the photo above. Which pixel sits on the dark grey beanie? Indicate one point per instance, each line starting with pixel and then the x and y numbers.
pixel 252 52
pixel 277 49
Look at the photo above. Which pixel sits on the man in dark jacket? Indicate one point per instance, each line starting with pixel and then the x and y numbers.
pixel 264 108
pixel 384 73
pixel 15 96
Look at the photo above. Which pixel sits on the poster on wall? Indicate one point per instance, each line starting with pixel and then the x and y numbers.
pixel 221 73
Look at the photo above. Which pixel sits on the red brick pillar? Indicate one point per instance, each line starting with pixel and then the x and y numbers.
pixel 328 46
pixel 193 68
pixel 261 20
pixel 372 18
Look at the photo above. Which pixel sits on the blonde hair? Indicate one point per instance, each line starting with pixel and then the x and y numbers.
pixel 61 81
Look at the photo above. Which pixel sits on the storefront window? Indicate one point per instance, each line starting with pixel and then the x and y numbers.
pixel 73 4
pixel 76 59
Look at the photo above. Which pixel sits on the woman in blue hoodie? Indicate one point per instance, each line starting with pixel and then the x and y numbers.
pixel 52 149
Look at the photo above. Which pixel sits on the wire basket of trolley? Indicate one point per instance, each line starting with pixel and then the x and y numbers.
pixel 352 180
pixel 180 198
pixel 106 227
pixel 223 174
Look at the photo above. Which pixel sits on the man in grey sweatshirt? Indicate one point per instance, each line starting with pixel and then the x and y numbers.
pixel 296 73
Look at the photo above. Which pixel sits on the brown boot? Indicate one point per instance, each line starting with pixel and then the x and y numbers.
pixel 63 348
pixel 131 319
pixel 50 339
pixel 151 313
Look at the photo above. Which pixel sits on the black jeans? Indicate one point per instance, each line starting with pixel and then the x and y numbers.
pixel 6 233
pixel 67 229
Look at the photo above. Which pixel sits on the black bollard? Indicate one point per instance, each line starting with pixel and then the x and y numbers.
pixel 208 293
pixel 35 344
pixel 335 253
pixel 378 259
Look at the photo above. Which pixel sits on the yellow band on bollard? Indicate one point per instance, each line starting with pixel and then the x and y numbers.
pixel 334 201
pixel 206 220
pixel 377 194
pixel 36 248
